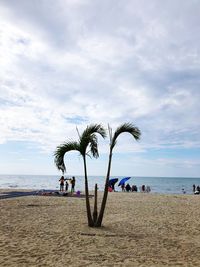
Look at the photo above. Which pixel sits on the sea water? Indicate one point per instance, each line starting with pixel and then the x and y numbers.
pixel 163 185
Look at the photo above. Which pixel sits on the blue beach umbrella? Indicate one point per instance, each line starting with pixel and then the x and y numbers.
pixel 112 181
pixel 123 180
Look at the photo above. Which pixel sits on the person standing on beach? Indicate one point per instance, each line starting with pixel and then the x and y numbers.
pixel 123 187
pixel 143 188
pixel 66 185
pixel 113 187
pixel 73 181
pixel 62 180
pixel 194 188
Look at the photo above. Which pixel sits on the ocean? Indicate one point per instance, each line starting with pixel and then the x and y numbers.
pixel 162 185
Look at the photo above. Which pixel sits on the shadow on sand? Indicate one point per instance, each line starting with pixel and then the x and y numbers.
pixel 13 194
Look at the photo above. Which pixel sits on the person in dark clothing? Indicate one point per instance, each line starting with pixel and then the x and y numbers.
pixel 73 182
pixel 134 188
pixel 143 188
pixel 194 187
pixel 113 187
pixel 123 187
pixel 66 185
pixel 128 188
pixel 62 180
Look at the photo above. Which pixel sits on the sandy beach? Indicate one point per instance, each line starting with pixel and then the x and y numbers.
pixel 139 230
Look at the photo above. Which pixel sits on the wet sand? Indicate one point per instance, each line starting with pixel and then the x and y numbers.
pixel 138 230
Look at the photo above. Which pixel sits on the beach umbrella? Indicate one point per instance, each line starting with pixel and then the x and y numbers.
pixel 112 181
pixel 123 180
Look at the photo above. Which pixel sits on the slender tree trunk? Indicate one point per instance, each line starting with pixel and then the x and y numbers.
pixel 89 216
pixel 105 195
pixel 95 213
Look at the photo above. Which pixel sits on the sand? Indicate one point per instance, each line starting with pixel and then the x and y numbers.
pixel 139 230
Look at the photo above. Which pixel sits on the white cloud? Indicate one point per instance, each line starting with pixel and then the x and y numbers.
pixel 69 63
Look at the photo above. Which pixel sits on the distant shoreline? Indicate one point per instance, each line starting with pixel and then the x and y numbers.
pixel 157 185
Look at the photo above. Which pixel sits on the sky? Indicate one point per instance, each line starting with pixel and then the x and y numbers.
pixel 67 64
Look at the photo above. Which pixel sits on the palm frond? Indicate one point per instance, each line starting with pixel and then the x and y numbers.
pixel 60 153
pixel 94 146
pixel 88 137
pixel 94 128
pixel 125 128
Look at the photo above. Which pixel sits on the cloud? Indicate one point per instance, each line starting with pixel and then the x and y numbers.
pixel 69 63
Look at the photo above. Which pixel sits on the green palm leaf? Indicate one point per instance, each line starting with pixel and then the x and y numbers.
pixel 89 138
pixel 60 153
pixel 125 128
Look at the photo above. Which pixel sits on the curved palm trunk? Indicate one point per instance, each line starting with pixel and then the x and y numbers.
pixel 89 216
pixel 105 195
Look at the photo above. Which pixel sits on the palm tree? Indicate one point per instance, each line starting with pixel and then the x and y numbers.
pixel 87 139
pixel 124 128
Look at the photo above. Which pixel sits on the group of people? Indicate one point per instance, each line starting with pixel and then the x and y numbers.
pixel 196 189
pixel 145 189
pixel 128 188
pixel 133 188
pixel 64 184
